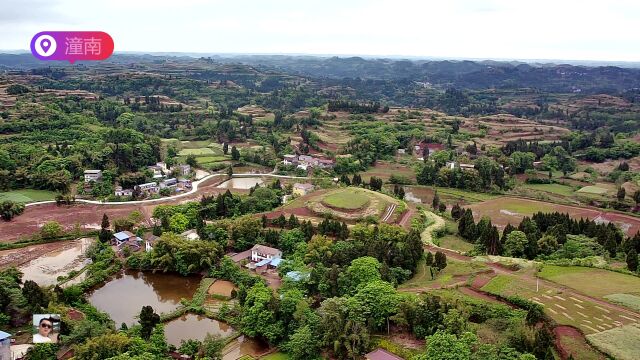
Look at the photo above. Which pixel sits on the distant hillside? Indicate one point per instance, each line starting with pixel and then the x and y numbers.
pixel 563 78
pixel 463 74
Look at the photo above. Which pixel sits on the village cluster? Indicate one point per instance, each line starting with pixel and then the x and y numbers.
pixel 173 179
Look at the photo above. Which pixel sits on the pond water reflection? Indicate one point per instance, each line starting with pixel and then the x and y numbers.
pixel 124 296
pixel 191 326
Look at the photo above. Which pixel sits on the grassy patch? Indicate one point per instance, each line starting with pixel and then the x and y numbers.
pixel 622 342
pixel 211 159
pixel 455 242
pixel 592 281
pixel 197 152
pixel 551 188
pixel 628 300
pixel 346 199
pixel 593 189
pixel 276 356
pixel 27 195
pixel 526 208
pixel 466 195
pixel 498 284
pixel 454 269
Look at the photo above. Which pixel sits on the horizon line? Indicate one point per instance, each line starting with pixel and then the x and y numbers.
pixel 195 54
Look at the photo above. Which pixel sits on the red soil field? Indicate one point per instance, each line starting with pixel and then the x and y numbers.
pixel 495 209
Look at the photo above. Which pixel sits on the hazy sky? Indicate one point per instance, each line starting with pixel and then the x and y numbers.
pixel 512 29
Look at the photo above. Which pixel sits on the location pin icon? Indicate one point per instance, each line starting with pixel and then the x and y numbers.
pixel 45 45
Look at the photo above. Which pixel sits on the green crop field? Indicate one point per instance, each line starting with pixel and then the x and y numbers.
pixel 196 152
pixel 27 195
pixel 621 342
pixel 452 273
pixel 551 188
pixel 210 159
pixel 593 189
pixel 498 284
pixel 592 281
pixel 628 300
pixel 347 199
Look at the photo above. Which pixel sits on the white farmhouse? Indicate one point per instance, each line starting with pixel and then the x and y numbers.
pixel 92 175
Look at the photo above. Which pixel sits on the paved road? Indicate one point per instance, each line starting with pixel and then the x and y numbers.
pixel 193 190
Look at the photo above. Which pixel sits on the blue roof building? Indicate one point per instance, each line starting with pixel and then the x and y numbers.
pixel 275 262
pixel 123 235
pixel 297 275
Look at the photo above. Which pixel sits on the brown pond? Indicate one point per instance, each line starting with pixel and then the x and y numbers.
pixel 45 269
pixel 190 326
pixel 124 296
pixel 241 183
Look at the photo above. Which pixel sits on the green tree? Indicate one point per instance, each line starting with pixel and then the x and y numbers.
pixel 429 258
pixel 102 347
pixel 212 347
pixel 379 301
pixel 362 270
pixel 42 352
pixel 440 260
pixel 436 201
pixel 258 317
pixel 178 223
pixel 289 240
pixel 547 244
pixel 636 197
pixel 191 160
pixel 235 154
pixel 50 230
pixel 105 229
pixel 632 260
pixel 444 346
pixel 621 194
pixel 35 296
pixel 148 320
pixel 515 244
pixel 303 344
pixel 318 249
pixel 454 322
pixel 10 209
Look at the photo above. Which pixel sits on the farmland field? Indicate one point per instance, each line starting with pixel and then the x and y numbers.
pixel 562 305
pixel 196 152
pixel 621 342
pixel 572 343
pixel 512 210
pixel 593 189
pixel 27 195
pixel 552 188
pixel 384 170
pixel 210 159
pixel 592 281
pixel 456 271
pixel 350 199
pixel 628 300
pixel 350 204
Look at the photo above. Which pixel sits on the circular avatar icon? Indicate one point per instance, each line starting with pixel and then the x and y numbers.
pixel 45 45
